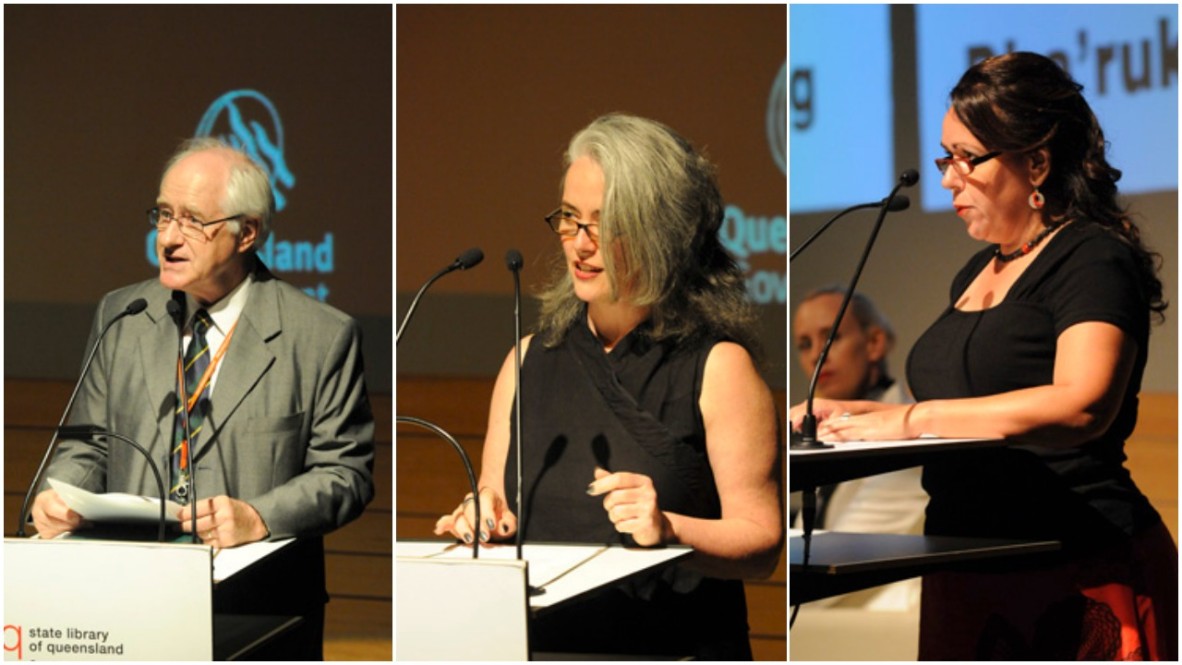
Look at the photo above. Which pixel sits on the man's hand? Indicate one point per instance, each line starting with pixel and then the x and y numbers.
pixel 51 515
pixel 224 522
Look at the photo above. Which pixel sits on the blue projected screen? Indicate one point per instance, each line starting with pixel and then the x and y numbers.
pixel 841 113
pixel 1125 56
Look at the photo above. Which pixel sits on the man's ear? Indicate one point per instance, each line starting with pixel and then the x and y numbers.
pixel 248 236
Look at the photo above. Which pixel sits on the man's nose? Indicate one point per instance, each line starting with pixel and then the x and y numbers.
pixel 170 235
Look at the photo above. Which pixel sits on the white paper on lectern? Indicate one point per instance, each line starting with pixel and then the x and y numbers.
pixel 546 562
pixel 565 571
pixel 114 506
pixel 232 560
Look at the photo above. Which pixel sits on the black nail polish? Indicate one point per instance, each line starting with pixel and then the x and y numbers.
pixel 504 528
pixel 468 538
pixel 491 524
pixel 591 489
pixel 484 536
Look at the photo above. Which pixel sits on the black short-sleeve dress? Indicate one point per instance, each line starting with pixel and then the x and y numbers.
pixel 1082 496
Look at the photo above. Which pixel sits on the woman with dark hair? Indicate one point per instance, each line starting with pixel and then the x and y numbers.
pixel 645 420
pixel 1043 343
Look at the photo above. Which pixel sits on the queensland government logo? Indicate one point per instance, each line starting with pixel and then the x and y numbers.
pixel 777 119
pixel 749 236
pixel 249 121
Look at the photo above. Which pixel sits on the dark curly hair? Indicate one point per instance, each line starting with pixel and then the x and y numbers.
pixel 1021 102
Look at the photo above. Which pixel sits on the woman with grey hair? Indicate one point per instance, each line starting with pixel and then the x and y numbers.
pixel 646 420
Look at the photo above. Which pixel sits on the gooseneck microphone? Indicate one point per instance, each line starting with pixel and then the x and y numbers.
pixel 176 309
pixel 515 262
pixel 464 261
pixel 895 204
pixel 808 427
pixel 134 307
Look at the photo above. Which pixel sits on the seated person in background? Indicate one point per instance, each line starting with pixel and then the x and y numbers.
pixel 856 369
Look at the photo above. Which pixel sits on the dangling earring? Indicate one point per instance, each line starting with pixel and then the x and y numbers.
pixel 1036 200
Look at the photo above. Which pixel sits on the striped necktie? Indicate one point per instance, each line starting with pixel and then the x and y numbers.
pixel 196 362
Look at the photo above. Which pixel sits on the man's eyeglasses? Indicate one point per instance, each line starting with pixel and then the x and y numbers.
pixel 566 224
pixel 190 228
pixel 963 165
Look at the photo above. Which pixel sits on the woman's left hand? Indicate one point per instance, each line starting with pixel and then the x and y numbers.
pixel 631 504
pixel 889 424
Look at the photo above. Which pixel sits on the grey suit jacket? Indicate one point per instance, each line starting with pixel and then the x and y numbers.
pixel 289 428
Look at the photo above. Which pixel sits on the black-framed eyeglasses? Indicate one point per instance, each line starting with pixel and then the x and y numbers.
pixel 566 224
pixel 191 228
pixel 964 165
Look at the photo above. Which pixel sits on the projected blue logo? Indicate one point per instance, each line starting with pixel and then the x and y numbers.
pixel 242 111
pixel 746 235
pixel 777 119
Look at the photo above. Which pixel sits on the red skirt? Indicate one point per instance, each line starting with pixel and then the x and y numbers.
pixel 1118 604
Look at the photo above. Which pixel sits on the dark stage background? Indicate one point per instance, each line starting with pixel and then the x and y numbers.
pixel 489 96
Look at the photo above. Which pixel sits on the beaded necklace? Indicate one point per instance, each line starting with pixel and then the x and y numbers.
pixel 1028 247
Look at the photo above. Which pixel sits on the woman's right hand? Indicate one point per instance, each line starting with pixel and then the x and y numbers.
pixel 499 521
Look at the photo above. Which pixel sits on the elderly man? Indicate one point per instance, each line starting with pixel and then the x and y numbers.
pixel 280 427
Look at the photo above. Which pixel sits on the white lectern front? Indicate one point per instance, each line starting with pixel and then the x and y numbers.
pixel 106 600
pixel 79 599
pixel 453 607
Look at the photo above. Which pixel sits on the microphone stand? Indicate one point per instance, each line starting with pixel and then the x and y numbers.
pixel 439 431
pixel 514 261
pixel 466 260
pixel 90 432
pixel 808 426
pixel 178 313
pixel 892 204
pixel 135 307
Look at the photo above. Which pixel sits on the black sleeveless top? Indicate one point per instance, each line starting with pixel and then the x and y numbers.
pixel 1082 495
pixel 634 409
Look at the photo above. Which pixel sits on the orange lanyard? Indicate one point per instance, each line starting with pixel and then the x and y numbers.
pixel 208 375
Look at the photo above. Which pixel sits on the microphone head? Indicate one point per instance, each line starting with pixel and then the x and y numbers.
pixel 909 177
pixel 513 260
pixel 176 307
pixel 136 306
pixel 469 258
pixel 899 202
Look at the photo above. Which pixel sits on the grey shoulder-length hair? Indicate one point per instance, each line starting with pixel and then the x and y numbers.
pixel 662 207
